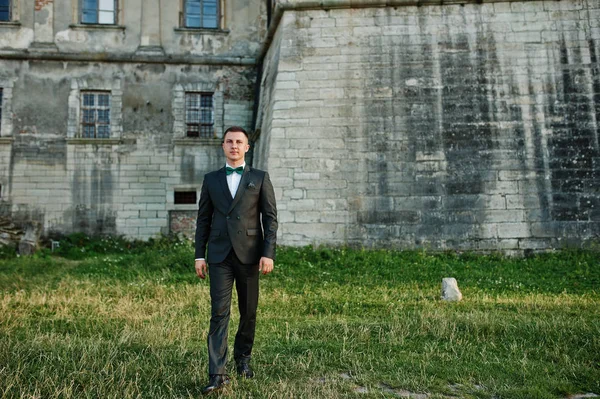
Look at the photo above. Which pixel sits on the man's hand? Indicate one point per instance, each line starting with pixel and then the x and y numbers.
pixel 201 268
pixel 265 265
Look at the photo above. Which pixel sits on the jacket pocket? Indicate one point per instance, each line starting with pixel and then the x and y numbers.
pixel 252 232
pixel 215 233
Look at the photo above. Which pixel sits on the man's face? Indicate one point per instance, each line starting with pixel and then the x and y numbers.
pixel 235 146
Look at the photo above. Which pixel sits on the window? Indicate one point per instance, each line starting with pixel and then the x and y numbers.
pixel 98 11
pixel 201 14
pixel 199 115
pixel 95 114
pixel 4 10
pixel 1 95
pixel 185 197
pixel 95 111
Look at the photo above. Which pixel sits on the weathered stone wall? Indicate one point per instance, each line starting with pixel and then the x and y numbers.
pixel 269 86
pixel 470 126
pixel 123 185
pixel 147 61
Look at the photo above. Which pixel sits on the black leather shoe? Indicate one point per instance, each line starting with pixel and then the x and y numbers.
pixel 216 382
pixel 244 370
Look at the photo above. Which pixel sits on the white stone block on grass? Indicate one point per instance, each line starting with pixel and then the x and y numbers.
pixel 450 291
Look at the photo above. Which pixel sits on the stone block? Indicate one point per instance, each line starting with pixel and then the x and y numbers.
pixel 500 216
pixel 312 231
pixel 301 205
pixel 135 222
pixel 514 230
pixel 307 216
pixel 535 244
pixel 156 222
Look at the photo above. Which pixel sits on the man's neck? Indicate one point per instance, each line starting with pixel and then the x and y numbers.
pixel 235 164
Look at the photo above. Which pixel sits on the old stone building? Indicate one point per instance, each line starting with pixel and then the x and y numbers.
pixel 390 123
pixel 111 109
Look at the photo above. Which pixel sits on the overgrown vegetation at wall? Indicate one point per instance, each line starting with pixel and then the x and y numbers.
pixel 113 318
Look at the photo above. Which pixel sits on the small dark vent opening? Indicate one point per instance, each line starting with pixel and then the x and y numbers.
pixel 185 197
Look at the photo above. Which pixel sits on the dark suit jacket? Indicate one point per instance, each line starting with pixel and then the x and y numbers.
pixel 224 222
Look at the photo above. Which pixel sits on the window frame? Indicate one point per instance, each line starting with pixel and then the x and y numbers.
pixel 115 13
pixel 178 110
pixel 184 15
pixel 97 107
pixel 202 130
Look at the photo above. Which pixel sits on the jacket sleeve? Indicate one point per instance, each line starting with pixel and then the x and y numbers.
pixel 268 210
pixel 204 220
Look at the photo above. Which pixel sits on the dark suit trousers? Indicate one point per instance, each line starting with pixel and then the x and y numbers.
pixel 222 275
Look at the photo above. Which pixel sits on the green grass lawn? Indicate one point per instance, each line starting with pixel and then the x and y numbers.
pixel 121 320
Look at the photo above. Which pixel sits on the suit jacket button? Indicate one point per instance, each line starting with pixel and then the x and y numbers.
pixel 238 218
pixel 227 218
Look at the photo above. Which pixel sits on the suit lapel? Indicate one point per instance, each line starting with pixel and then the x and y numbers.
pixel 224 186
pixel 241 188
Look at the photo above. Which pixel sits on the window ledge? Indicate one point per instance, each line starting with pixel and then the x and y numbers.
pixel 6 140
pixel 203 31
pixel 196 141
pixel 10 24
pixel 97 27
pixel 86 141
pixel 182 207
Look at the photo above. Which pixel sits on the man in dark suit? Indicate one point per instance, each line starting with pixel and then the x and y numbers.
pixel 237 220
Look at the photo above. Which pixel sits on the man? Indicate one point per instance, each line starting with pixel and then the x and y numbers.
pixel 237 220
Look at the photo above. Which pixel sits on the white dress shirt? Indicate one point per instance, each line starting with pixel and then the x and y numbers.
pixel 233 182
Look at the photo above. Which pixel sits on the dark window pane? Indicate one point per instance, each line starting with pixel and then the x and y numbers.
pixel 206 116
pixel 90 5
pixel 192 101
pixel 88 116
pixel 185 197
pixel 193 116
pixel 4 3
pixel 210 11
pixel 4 15
pixel 103 116
pixel 210 5
pixel 103 100
pixel 193 9
pixel 88 100
pixel 206 101
pixel 191 5
pixel 103 132
pixel 89 17
pixel 209 22
pixel 192 131
pixel 88 131
pixel 192 22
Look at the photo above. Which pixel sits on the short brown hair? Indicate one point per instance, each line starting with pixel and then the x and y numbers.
pixel 235 129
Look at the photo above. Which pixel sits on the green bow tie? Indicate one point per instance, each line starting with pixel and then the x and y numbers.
pixel 239 170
